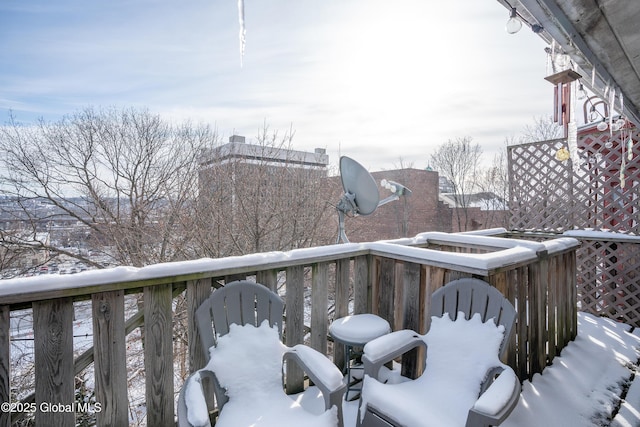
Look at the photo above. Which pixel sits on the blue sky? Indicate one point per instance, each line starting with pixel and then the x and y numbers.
pixel 378 80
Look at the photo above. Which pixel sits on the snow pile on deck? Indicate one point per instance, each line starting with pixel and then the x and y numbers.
pixel 580 389
pixel 583 386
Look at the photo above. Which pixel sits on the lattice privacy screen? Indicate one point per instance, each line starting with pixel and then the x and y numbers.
pixel 541 187
pixel 550 195
pixel 547 194
pixel 607 205
pixel 609 279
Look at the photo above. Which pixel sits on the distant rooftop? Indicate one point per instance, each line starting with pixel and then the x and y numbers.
pixel 238 150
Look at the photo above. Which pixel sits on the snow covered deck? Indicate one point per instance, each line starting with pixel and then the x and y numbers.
pixel 593 383
pixel 393 279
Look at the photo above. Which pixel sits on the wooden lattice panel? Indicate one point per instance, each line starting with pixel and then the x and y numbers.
pixel 606 204
pixel 541 187
pixel 609 280
pixel 551 195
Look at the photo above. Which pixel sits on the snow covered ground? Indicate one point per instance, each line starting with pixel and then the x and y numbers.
pixel 584 385
pixel 592 383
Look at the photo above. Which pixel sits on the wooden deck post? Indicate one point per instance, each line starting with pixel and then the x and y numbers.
pixel 343 271
pixel 554 311
pixel 537 310
pixel 522 323
pixel 434 279
pixel 294 326
pixel 570 260
pixel 5 390
pixel 158 355
pixel 197 292
pixel 411 284
pixel 361 285
pixel 109 352
pixel 543 289
pixel 319 309
pixel 269 278
pixel 53 347
pixel 386 290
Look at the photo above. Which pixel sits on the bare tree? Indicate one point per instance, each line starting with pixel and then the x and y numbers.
pixel 262 196
pixel 495 178
pixel 401 207
pixel 542 129
pixel 494 182
pixel 458 161
pixel 127 178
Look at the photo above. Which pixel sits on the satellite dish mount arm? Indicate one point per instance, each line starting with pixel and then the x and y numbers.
pixel 346 205
pixel 342 236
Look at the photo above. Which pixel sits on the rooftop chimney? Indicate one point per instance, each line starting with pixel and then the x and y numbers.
pixel 237 138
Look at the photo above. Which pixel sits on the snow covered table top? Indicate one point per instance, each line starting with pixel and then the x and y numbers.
pixel 359 329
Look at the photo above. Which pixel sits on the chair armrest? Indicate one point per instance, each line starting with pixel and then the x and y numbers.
pixel 192 404
pixel 316 365
pixel 498 401
pixel 387 347
pixel 324 374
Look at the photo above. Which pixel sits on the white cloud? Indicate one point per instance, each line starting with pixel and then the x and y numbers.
pixel 375 78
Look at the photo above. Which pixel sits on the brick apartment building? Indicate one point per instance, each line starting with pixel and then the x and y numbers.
pixel 258 197
pixel 426 209
pixel 233 166
pixel 239 170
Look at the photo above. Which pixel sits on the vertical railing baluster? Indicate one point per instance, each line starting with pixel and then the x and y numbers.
pixel 387 290
pixel 319 309
pixel 342 304
pixel 554 311
pixel 522 323
pixel 5 363
pixel 294 325
pixel 158 355
pixel 109 352
pixel 534 304
pixel 53 347
pixel 543 288
pixel 269 278
pixel 570 263
pixel 361 285
pixel 411 315
pixel 197 292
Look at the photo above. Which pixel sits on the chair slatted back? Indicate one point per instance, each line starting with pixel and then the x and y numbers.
pixel 470 296
pixel 240 302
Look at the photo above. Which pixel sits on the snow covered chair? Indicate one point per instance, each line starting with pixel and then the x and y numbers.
pixel 241 328
pixel 464 381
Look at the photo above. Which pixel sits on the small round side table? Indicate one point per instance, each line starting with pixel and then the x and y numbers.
pixel 354 332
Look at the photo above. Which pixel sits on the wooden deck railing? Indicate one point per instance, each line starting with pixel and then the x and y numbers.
pixel 608 270
pixel 394 279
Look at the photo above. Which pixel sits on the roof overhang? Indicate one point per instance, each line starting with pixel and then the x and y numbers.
pixel 597 34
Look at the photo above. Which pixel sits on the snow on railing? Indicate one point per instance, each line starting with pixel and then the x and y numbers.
pixel 393 279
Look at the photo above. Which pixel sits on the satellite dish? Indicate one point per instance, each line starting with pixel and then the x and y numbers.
pixel 359 183
pixel 361 195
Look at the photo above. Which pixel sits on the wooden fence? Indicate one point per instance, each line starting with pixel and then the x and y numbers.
pixel 607 271
pixel 393 279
